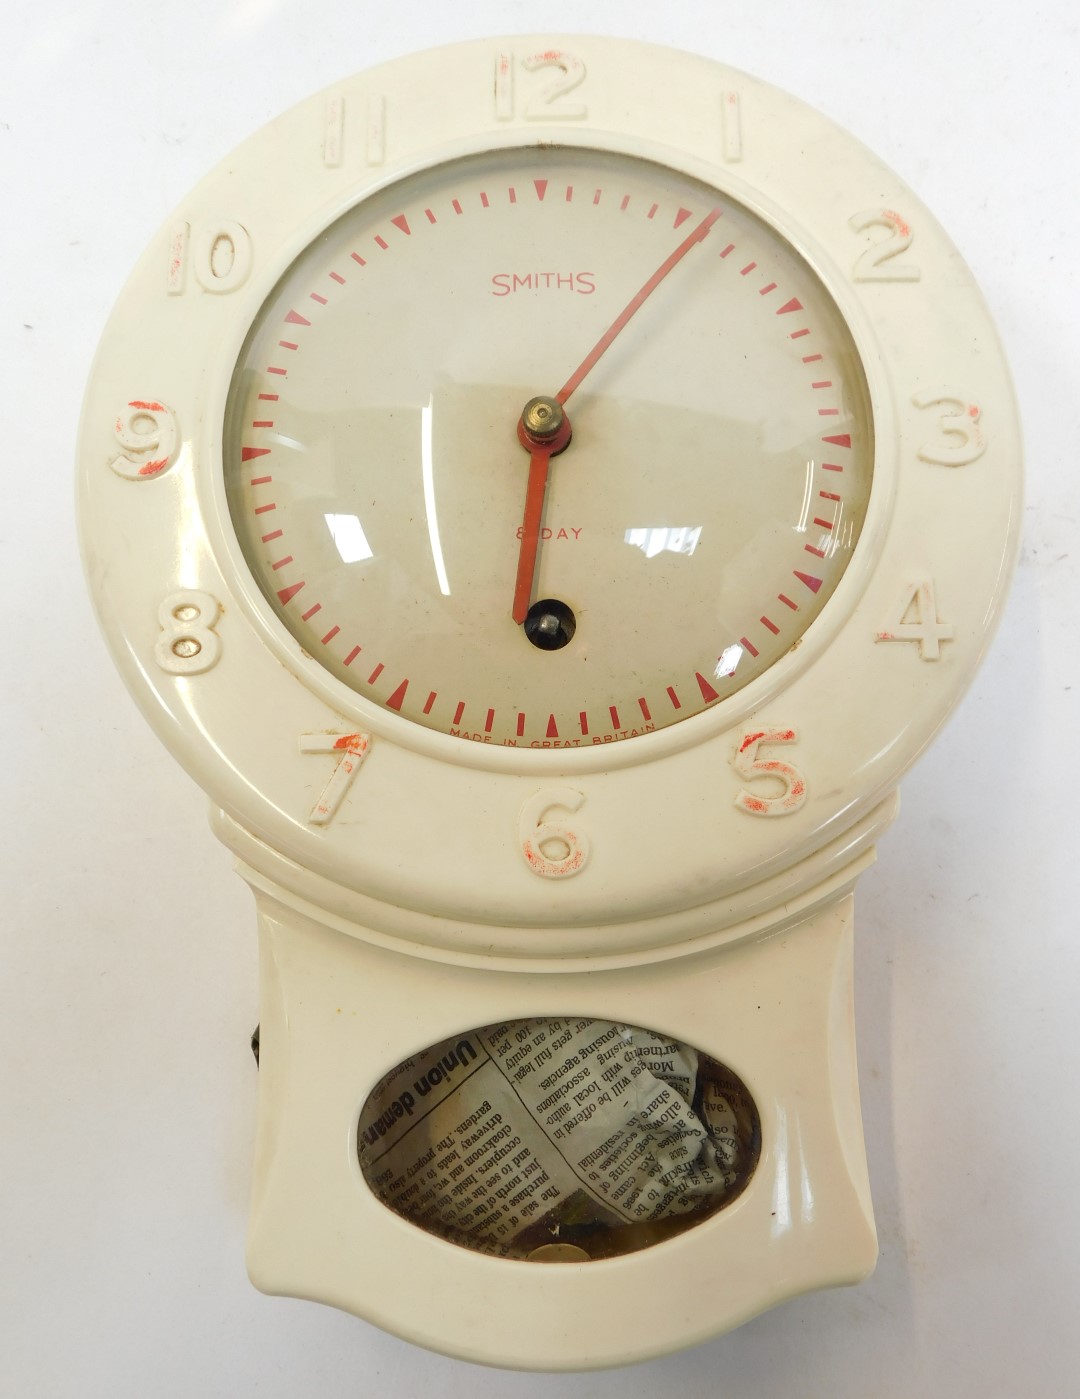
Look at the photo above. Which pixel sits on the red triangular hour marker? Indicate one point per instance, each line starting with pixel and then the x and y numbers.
pixel 681 216
pixel 808 578
pixel 403 223
pixel 395 700
pixel 844 440
pixel 284 594
pixel 793 305
pixel 708 694
pixel 250 453
pixel 552 728
pixel 295 318
pixel 541 188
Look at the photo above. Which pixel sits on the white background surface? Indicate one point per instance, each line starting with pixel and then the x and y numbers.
pixel 128 954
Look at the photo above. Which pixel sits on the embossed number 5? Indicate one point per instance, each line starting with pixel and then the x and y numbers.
pixel 748 764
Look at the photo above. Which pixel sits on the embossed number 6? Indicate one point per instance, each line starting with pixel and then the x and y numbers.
pixel 552 849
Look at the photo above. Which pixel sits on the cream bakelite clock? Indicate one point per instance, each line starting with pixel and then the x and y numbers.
pixel 547 491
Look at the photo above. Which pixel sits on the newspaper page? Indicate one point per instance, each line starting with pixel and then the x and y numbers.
pixel 530 1133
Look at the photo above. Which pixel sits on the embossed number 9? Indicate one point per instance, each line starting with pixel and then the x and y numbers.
pixel 148 435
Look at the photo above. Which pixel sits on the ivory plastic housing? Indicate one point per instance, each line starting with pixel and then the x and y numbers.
pixel 397 899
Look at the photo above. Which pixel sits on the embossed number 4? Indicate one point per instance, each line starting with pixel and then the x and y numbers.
pixel 916 619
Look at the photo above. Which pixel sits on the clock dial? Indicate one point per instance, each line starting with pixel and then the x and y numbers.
pixel 710 497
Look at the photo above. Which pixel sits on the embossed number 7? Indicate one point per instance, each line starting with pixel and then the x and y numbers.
pixel 351 750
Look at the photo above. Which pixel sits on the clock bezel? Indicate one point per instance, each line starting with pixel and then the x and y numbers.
pixel 659 861
pixel 696 728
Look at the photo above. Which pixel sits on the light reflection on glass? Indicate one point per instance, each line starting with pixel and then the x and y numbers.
pixel 730 658
pixel 349 538
pixel 427 464
pixel 845 532
pixel 280 440
pixel 804 513
pixel 664 539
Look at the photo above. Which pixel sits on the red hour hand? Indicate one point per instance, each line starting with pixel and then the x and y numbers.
pixel 544 429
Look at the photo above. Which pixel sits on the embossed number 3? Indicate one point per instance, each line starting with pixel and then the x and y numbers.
pixel 960 439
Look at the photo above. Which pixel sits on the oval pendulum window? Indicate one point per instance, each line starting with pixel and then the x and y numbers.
pixel 558 1140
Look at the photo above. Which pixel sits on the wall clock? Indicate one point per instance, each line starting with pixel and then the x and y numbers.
pixel 547 491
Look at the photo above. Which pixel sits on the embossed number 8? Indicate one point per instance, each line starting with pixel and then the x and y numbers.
pixel 188 643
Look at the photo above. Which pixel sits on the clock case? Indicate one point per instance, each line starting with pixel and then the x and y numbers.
pixel 414 913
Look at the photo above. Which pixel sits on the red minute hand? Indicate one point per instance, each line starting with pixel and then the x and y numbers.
pixel 646 291
pixel 545 442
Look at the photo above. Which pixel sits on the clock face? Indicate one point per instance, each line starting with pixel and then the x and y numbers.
pixel 709 500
